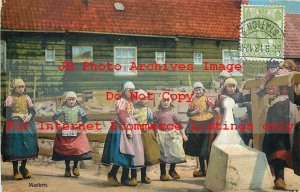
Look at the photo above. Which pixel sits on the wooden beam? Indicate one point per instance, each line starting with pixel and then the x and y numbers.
pixel 260 104
pixel 259 111
pixel 276 81
pixel 90 117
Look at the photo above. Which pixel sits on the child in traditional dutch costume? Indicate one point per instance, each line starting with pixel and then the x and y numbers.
pixel 282 145
pixel 19 138
pixel 278 142
pixel 123 146
pixel 201 119
pixel 71 143
pixel 144 117
pixel 222 77
pixel 230 90
pixel 170 137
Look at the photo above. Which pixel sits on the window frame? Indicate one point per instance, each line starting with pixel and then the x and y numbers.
pixel 194 58
pixel 46 58
pixel 164 57
pixel 125 73
pixel 234 72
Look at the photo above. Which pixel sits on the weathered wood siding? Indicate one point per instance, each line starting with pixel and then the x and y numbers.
pixel 26 57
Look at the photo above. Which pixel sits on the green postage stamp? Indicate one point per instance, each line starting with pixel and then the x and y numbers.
pixel 262 32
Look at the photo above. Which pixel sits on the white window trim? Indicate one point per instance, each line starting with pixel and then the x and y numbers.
pixel 49 60
pixel 156 55
pixel 4 64
pixel 122 73
pixel 223 52
pixel 234 73
pixel 194 58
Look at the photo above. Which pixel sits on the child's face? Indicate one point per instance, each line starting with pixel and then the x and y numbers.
pixel 20 89
pixel 198 92
pixel 165 104
pixel 221 79
pixel 71 101
pixel 127 92
pixel 230 89
pixel 143 102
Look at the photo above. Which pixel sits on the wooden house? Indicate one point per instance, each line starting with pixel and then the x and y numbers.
pixel 38 35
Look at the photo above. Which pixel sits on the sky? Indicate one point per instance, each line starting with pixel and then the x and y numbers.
pixel 291 6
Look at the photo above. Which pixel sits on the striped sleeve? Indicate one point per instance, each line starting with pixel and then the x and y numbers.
pixel 82 112
pixel 210 101
pixel 9 101
pixel 120 105
pixel 29 101
pixel 60 111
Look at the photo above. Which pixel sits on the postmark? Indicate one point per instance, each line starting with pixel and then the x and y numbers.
pixel 262 32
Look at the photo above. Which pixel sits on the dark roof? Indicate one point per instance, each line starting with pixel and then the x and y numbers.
pixel 292 36
pixel 217 19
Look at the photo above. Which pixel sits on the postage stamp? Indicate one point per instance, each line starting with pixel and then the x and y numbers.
pixel 262 32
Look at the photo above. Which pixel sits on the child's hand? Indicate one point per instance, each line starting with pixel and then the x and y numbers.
pixel 77 125
pixel 197 111
pixel 244 117
pixel 27 118
pixel 184 138
pixel 129 134
pixel 59 124
pixel 217 110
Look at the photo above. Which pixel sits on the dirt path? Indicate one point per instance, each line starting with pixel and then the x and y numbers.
pixel 52 177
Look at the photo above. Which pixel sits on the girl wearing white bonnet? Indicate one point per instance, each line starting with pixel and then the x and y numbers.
pixel 19 145
pixel 197 129
pixel 71 145
pixel 230 89
pixel 170 138
pixel 122 146
pixel 144 116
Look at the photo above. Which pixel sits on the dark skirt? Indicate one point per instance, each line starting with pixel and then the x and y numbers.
pixel 19 144
pixel 296 149
pixel 111 152
pixel 198 134
pixel 276 143
pixel 61 157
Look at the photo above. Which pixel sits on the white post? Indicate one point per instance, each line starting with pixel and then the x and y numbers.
pixel 233 166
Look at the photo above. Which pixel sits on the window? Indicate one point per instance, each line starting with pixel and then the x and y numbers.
pixel 124 56
pixel 232 57
pixel 82 53
pixel 160 57
pixel 3 56
pixel 197 58
pixel 49 55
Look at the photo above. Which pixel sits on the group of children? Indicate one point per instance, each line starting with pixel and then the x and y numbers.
pixel 132 149
pixel 122 147
pixel 129 149
pixel 19 136
pixel 164 145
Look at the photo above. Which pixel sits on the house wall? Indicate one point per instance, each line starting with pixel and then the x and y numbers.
pixel 26 59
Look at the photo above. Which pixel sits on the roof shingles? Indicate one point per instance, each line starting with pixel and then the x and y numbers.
pixel 195 18
pixel 292 36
